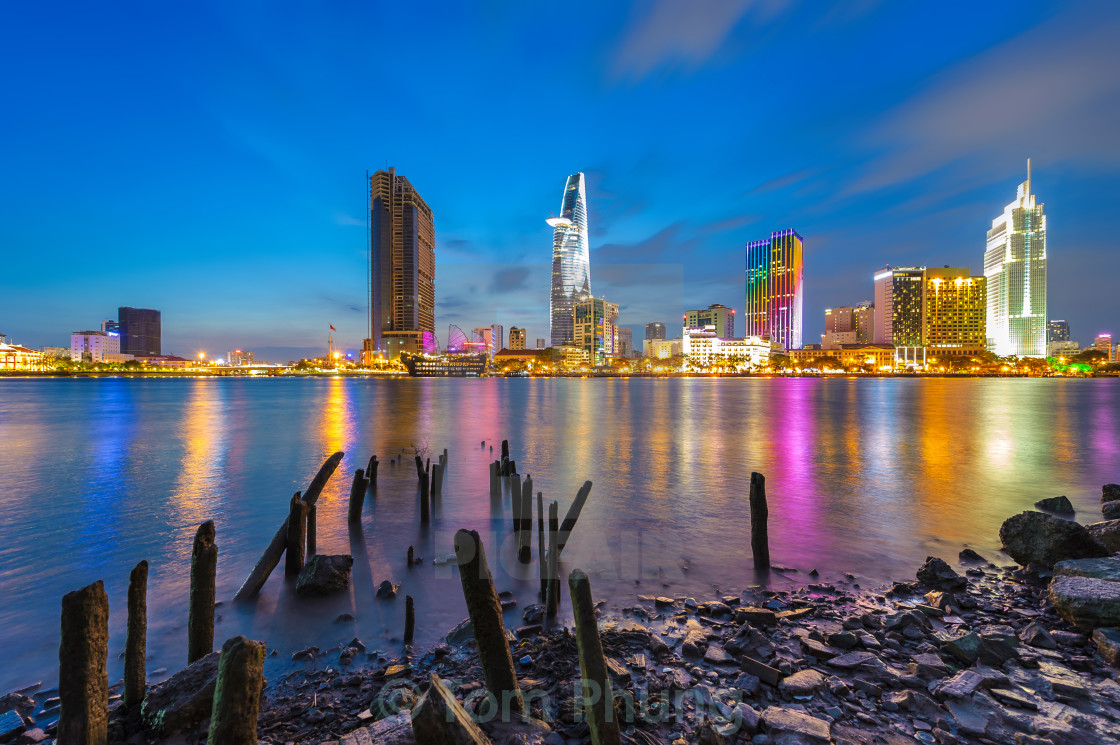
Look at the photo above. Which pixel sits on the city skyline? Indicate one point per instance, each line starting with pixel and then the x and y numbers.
pixel 876 169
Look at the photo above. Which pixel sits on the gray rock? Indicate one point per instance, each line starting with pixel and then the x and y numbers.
pixel 852 660
pixel 394 730
pixel 1110 492
pixel 964 648
pixel 968 555
pixel 387 590
pixel 438 719
pixel 1111 510
pixel 1038 538
pixel 533 613
pixel 324 575
pixel 183 700
pixel 1106 568
pixel 1108 644
pixel 462 634
pixel 1107 532
pixel 802 683
pixel 694 644
pixel 960 685
pixel 717 655
pixel 1061 505
pixel 1034 634
pixel 936 573
pixel 746 717
pixel 784 722
pixel 1086 602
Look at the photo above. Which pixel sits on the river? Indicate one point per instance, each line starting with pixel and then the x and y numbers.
pixel 863 475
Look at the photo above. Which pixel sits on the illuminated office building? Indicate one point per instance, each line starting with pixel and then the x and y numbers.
pixel 516 338
pixel 655 330
pixel 1103 343
pixel 624 341
pixel 571 264
pixel 775 289
pixel 402 260
pixel 1015 268
pixel 899 303
pixel 1058 331
pixel 955 316
pixel 719 316
pixel 594 329
pixel 139 329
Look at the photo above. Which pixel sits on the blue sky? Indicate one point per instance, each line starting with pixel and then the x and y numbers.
pixel 208 159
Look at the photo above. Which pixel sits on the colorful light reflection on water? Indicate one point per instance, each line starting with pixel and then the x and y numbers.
pixel 867 476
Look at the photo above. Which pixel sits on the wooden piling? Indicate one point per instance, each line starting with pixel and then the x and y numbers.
pixel 312 526
pixel 541 559
pixel 425 502
pixel 598 701
pixel 357 496
pixel 495 482
pixel 515 503
pixel 371 470
pixel 435 487
pixel 419 467
pixel 573 515
pixel 760 542
pixel 136 638
pixel 485 611
pixel 275 550
pixel 297 533
pixel 83 680
pixel 200 617
pixel 237 693
pixel 409 619
pixel 525 530
pixel 411 560
pixel 552 589
pixel 505 450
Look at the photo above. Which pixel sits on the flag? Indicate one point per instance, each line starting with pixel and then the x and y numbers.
pixel 332 328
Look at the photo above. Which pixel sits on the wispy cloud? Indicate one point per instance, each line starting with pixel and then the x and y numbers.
pixel 1052 93
pixel 344 219
pixel 679 34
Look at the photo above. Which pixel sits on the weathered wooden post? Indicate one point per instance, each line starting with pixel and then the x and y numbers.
pixel 541 559
pixel 83 681
pixel 409 619
pixel 495 489
pixel 419 467
pixel 275 549
pixel 760 542
pixel 371 471
pixel 505 450
pixel 425 503
pixel 525 530
pixel 357 496
pixel 552 591
pixel 297 533
pixel 515 502
pixel 411 560
pixel 485 611
pixel 237 693
pixel 136 638
pixel 312 526
pixel 598 700
pixel 574 511
pixel 200 616
pixel 437 469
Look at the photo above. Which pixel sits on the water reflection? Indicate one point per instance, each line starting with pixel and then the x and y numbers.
pixel 200 484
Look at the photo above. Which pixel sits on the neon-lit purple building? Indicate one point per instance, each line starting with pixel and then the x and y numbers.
pixel 775 288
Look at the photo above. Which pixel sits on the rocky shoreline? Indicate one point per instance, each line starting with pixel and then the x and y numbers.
pixel 977 654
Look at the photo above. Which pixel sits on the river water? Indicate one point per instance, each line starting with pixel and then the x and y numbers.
pixel 867 476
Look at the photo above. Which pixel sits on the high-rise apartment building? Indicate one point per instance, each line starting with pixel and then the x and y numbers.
pixel 848 325
pixel 775 288
pixel 571 263
pixel 955 317
pixel 595 329
pixel 95 346
pixel 899 302
pixel 863 322
pixel 838 320
pixel 655 330
pixel 516 338
pixel 1103 343
pixel 1015 268
pixel 497 338
pixel 719 316
pixel 1058 331
pixel 402 260
pixel 140 332
pixel 541 343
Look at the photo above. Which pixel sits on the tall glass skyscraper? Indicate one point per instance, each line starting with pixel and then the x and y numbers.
pixel 571 265
pixel 1015 270
pixel 402 261
pixel 775 291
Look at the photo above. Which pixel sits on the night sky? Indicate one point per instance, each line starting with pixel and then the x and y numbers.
pixel 209 159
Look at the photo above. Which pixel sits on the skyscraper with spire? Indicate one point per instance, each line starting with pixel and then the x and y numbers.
pixel 1015 271
pixel 571 265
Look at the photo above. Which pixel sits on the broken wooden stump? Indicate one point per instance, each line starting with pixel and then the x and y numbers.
pixel 598 701
pixel 574 511
pixel 525 529
pixel 760 542
pixel 275 550
pixel 312 526
pixel 515 503
pixel 297 534
pixel 439 719
pixel 83 680
pixel 540 544
pixel 437 480
pixel 357 496
pixel 200 616
pixel 425 500
pixel 136 637
pixel 485 611
pixel 552 589
pixel 409 619
pixel 237 694
pixel 371 471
